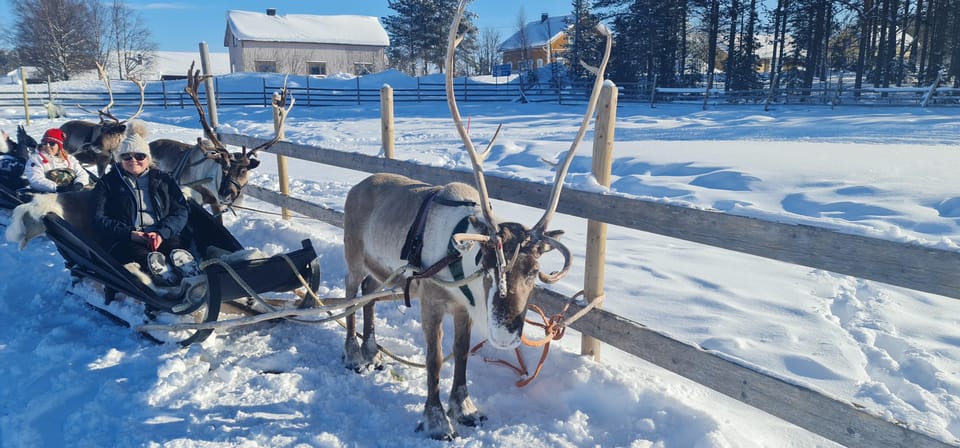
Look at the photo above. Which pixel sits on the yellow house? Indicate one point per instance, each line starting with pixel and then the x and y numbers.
pixel 537 44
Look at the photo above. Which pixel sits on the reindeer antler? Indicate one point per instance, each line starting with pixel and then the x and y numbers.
pixel 476 159
pixel 105 110
pixel 193 83
pixel 278 102
pixel 541 225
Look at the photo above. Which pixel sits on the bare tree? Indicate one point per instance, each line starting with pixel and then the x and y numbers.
pixel 54 36
pixel 132 42
pixel 487 51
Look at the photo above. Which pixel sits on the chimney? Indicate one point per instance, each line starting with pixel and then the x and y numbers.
pixel 271 11
pixel 544 17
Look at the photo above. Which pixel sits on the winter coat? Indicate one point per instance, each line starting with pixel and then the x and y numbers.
pixel 39 164
pixel 115 207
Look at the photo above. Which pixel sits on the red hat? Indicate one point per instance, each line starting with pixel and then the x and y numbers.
pixel 55 136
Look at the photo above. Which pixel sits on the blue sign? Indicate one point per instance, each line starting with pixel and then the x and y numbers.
pixel 501 70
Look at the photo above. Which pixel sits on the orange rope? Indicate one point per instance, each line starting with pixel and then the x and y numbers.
pixel 554 329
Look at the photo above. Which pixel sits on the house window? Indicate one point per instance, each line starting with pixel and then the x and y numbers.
pixel 317 68
pixel 539 63
pixel 266 66
pixel 362 68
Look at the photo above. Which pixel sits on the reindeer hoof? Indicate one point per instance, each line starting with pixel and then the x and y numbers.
pixel 436 424
pixel 443 437
pixel 472 421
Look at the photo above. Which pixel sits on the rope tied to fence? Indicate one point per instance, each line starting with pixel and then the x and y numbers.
pixel 554 328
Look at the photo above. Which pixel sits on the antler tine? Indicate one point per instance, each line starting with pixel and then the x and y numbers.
pixel 283 118
pixel 452 41
pixel 591 106
pixel 486 152
pixel 193 82
pixel 105 110
pixel 142 85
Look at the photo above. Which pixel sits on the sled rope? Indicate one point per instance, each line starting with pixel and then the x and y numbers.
pixel 554 329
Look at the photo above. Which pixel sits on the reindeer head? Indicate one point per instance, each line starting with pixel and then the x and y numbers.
pixel 511 252
pixel 235 166
pixel 111 130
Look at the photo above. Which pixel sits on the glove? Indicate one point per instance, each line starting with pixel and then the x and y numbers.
pixel 76 186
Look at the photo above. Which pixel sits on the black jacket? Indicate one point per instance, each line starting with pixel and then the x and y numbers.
pixel 115 207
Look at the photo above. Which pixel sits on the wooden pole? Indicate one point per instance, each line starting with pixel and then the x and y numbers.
pixel 386 120
pixel 278 112
pixel 26 99
pixel 211 95
pixel 597 230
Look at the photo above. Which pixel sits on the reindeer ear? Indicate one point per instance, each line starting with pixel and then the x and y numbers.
pixel 478 224
pixel 254 163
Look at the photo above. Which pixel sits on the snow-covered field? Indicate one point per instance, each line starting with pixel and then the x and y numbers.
pixel 72 378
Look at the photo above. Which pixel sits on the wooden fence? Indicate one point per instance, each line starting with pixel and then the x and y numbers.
pixel 169 94
pixel 908 265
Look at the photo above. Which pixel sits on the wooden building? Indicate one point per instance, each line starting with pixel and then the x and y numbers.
pixel 305 44
pixel 537 44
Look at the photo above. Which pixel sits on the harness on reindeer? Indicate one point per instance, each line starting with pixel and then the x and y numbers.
pixel 413 246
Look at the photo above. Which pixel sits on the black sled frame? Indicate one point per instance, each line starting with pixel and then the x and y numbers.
pixel 86 259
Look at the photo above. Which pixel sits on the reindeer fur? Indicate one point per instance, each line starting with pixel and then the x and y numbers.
pixel 26 221
pixel 93 143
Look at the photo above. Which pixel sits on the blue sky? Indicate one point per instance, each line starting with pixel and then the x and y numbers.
pixel 181 25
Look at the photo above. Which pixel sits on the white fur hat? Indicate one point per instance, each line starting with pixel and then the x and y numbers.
pixel 136 139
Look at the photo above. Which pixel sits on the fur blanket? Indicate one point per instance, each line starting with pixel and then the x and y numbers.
pixel 26 221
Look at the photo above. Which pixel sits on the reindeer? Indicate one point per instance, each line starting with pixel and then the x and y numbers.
pixel 475 266
pixel 96 143
pixel 207 167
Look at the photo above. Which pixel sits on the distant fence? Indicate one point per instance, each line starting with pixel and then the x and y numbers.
pixel 903 264
pixel 170 94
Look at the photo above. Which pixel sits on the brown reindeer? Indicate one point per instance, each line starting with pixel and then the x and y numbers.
pixel 207 168
pixel 95 143
pixel 483 268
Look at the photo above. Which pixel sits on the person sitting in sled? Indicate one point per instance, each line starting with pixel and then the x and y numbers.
pixel 140 214
pixel 51 169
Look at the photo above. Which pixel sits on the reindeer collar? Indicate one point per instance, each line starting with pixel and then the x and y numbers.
pixel 413 245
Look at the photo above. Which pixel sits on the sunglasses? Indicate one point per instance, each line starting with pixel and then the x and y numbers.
pixel 128 157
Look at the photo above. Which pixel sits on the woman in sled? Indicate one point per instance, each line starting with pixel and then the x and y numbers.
pixel 51 169
pixel 140 214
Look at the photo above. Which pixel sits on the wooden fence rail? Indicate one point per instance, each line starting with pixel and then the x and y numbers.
pixel 903 264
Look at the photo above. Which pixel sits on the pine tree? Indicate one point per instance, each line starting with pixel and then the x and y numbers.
pixel 418 36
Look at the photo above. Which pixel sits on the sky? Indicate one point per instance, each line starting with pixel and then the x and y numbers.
pixel 76 379
pixel 181 25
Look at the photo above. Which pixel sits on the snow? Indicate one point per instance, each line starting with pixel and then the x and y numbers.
pixel 73 378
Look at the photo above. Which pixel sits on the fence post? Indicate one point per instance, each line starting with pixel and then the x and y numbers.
pixel 26 99
pixel 163 92
pixel 597 230
pixel 386 120
pixel 278 112
pixel 211 95
pixel 358 89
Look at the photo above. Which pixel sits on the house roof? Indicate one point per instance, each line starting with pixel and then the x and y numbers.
pixel 344 29
pixel 538 33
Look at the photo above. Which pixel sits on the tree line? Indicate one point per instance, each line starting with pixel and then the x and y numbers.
pixel 746 44
pixel 62 38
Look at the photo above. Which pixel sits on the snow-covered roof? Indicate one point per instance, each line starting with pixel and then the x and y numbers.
pixel 538 33
pixel 342 29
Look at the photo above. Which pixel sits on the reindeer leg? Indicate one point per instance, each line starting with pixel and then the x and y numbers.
pixel 460 407
pixel 435 421
pixel 352 356
pixel 368 348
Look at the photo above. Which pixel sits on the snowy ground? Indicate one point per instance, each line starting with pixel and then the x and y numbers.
pixel 72 378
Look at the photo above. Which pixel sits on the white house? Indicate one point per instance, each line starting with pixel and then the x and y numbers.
pixel 305 44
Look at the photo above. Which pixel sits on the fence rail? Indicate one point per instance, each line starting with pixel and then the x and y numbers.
pixel 890 262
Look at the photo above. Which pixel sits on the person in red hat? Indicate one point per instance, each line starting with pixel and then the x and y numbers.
pixel 51 169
